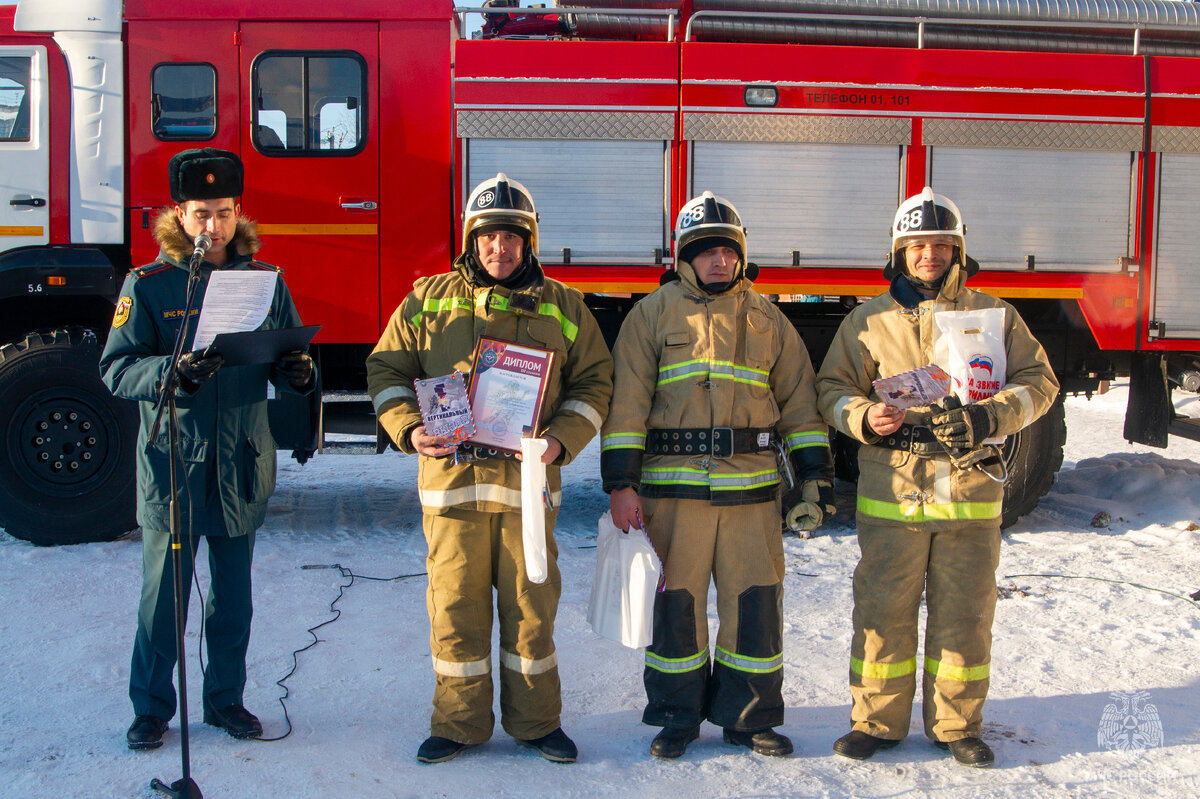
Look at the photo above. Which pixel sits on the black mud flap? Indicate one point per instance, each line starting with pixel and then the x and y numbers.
pixel 1148 414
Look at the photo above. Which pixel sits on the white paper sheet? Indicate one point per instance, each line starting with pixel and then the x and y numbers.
pixel 234 302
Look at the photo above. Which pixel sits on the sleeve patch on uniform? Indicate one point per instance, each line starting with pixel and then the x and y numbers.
pixel 121 315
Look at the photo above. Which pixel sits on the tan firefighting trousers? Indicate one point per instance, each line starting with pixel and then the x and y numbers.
pixel 956 569
pixel 740 549
pixel 470 553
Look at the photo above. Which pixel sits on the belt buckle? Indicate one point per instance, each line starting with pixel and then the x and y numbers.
pixel 721 443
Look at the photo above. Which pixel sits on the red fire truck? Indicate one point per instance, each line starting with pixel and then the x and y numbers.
pixel 1069 138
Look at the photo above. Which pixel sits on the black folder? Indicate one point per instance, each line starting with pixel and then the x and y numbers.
pixel 260 346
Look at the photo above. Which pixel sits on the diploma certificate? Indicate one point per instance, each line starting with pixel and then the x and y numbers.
pixel 508 384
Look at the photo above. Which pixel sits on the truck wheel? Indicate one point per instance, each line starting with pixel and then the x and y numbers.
pixel 1033 456
pixel 66 443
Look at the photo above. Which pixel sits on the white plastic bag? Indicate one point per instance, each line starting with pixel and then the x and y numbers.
pixel 533 508
pixel 627 571
pixel 970 347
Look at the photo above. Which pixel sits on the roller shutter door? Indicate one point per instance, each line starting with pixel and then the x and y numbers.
pixel 832 203
pixel 602 199
pixel 1069 209
pixel 1177 261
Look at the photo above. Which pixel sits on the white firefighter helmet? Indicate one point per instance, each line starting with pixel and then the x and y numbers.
pixel 500 203
pixel 928 214
pixel 708 221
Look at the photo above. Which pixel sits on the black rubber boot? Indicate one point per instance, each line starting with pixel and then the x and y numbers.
pixel 438 750
pixel 672 742
pixel 971 752
pixel 858 745
pixel 555 747
pixel 765 742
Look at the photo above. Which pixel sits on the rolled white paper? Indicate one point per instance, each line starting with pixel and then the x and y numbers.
pixel 533 508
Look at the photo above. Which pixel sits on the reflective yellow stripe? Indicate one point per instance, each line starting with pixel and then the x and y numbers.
pixel 751 665
pixel 960 673
pixel 883 671
pixel 584 410
pixel 528 666
pixel 393 393
pixel 471 668
pixel 676 665
pixel 623 441
pixel 569 329
pixel 929 512
pixel 478 492
pixel 440 304
pixel 21 230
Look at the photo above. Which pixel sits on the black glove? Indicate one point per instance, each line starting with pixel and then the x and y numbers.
pixel 296 367
pixel 961 427
pixel 196 367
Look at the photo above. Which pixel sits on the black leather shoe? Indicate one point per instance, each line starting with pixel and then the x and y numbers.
pixel 438 750
pixel 672 741
pixel 146 732
pixel 555 747
pixel 972 752
pixel 858 745
pixel 765 742
pixel 235 720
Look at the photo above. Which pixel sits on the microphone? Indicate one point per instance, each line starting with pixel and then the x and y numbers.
pixel 203 242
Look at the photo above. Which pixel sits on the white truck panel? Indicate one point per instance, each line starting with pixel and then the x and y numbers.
pixel 96 16
pixel 831 202
pixel 97 65
pixel 604 199
pixel 25 164
pixel 1069 209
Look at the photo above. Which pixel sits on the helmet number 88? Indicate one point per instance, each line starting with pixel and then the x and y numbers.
pixel 911 220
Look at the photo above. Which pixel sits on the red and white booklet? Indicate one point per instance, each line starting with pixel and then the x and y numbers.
pixel 914 388
pixel 446 407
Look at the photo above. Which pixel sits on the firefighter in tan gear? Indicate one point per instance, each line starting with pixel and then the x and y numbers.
pixel 929 491
pixel 709 378
pixel 471 498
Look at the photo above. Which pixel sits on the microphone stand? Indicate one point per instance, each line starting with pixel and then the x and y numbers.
pixel 185 787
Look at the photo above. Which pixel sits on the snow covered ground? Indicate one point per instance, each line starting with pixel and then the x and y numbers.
pixel 1065 650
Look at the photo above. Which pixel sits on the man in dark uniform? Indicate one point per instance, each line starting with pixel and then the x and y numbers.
pixel 226 460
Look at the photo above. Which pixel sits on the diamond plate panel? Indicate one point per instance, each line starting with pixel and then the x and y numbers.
pixel 1024 135
pixel 1175 140
pixel 796 128
pixel 565 125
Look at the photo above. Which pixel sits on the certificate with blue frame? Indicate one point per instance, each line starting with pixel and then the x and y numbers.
pixel 508 386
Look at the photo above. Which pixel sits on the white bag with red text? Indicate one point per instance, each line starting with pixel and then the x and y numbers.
pixel 970 347
pixel 627 571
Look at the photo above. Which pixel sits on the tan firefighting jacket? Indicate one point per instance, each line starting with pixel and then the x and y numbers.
pixel 688 359
pixel 881 338
pixel 434 331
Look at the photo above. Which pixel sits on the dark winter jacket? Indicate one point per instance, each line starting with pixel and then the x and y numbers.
pixel 227 455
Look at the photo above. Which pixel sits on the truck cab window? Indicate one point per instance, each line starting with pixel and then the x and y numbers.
pixel 184 101
pixel 14 98
pixel 309 103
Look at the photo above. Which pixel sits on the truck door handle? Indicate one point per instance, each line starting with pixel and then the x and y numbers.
pixel 366 205
pixel 34 202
